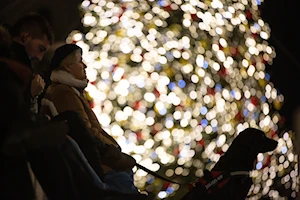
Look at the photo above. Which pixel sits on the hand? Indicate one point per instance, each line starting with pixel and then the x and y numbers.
pixel 37 85
pixel 48 117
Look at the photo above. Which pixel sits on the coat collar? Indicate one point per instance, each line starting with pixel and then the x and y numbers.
pixel 64 77
pixel 20 54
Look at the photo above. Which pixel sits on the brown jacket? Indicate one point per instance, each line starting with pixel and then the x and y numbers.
pixel 62 96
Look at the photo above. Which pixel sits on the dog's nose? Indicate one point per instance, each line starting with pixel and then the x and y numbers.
pixel 275 143
pixel 267 145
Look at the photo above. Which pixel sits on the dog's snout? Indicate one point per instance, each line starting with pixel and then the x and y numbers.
pixel 274 143
pixel 268 145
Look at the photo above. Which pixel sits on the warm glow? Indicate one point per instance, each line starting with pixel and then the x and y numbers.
pixel 171 79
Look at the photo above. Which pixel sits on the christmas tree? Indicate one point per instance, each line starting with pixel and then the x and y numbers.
pixel 174 81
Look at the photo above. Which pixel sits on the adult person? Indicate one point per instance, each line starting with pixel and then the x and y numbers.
pixel 66 93
pixel 13 91
pixel 16 130
pixel 32 36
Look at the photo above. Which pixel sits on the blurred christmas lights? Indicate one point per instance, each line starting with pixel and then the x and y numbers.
pixel 174 81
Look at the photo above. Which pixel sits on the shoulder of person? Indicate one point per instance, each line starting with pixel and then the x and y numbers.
pixel 59 89
pixel 21 72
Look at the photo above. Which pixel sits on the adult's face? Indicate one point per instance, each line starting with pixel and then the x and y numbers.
pixel 36 47
pixel 77 68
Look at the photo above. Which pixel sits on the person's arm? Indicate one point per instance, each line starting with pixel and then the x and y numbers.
pixel 67 100
pixel 36 88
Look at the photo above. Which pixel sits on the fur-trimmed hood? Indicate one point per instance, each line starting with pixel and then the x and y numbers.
pixel 64 77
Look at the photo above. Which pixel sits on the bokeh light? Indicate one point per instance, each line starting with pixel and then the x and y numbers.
pixel 174 81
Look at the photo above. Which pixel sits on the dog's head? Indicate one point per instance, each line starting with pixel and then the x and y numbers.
pixel 255 140
pixel 244 149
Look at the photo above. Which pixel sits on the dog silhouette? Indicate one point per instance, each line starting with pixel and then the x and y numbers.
pixel 240 157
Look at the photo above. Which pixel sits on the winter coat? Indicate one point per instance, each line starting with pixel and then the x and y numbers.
pixel 65 93
pixel 14 175
pixel 15 77
pixel 19 54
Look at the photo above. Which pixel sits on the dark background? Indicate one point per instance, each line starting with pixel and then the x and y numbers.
pixel 64 16
pixel 282 17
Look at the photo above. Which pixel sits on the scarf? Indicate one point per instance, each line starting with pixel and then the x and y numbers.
pixel 64 77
